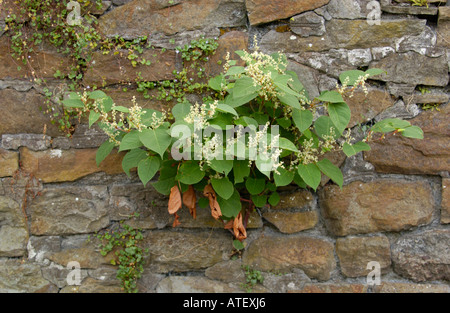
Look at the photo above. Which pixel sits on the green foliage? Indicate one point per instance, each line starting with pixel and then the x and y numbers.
pixel 231 170
pixel 419 3
pixel 252 277
pixel 129 256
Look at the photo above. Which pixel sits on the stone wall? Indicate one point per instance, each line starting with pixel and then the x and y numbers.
pixel 394 207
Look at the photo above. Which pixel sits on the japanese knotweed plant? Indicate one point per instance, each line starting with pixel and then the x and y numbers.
pixel 261 131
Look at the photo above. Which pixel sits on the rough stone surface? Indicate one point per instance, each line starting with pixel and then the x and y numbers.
pixel 308 24
pixel 314 256
pixel 356 252
pixel 445 202
pixel 380 205
pixel 286 282
pixel 90 285
pixel 427 156
pixel 424 256
pixel 299 199
pixel 388 287
pixel 133 19
pixel 35 142
pixel 414 69
pixel 18 277
pixel 69 210
pixel 264 11
pixel 68 165
pixel 26 117
pixel 13 229
pixel 332 288
pixel 292 222
pixel 443 27
pixel 180 252
pixel 9 162
pixel 194 284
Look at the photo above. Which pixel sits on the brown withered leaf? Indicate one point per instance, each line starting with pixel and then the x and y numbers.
pixel 238 228
pixel 176 222
pixel 189 200
pixel 213 204
pixel 174 200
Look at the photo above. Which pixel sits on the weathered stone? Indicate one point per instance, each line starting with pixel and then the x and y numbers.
pixel 140 17
pixel 13 228
pixel 264 11
pixel 308 76
pixel 21 277
pixel 359 57
pixel 90 285
pixel 379 53
pixel 308 24
pixel 356 252
pixel 365 107
pixel 286 282
pixel 414 69
pixel 20 113
pixel 445 202
pixel 69 210
pixel 230 271
pixel 35 142
pixel 390 287
pixel 397 154
pixel 44 62
pixel 114 69
pixel 380 205
pixel 423 256
pixel 292 222
pixel 348 9
pixel 332 288
pixel 87 256
pixel 400 110
pixel 40 247
pixel 68 165
pixel 9 162
pixel 428 98
pixel 299 199
pixel 443 27
pixel 411 10
pixel 423 43
pixel 345 34
pixel 88 137
pixel 171 251
pixel 58 274
pixel 314 256
pixel 193 284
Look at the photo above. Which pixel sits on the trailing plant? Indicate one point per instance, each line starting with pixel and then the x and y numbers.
pixel 259 132
pixel 419 3
pixel 252 277
pixel 129 255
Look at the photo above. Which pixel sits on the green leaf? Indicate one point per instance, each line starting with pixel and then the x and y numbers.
pixel 147 168
pixel 290 100
pixel 351 150
pixel 222 107
pixel 330 96
pixel 311 174
pixel 238 245
pixel 302 119
pixel 284 122
pixel 244 87
pixel 190 173
pixel 259 201
pixel 240 170
pixel 284 178
pixel 130 141
pixel 216 82
pixel 299 181
pixel 264 166
pixel 93 117
pixel 238 101
pixel 340 115
pixel 97 94
pixel 181 110
pixel 203 203
pixel 295 82
pixel 235 70
pixel 132 159
pixel 323 126
pixel 255 185
pixel 73 103
pixel 332 171
pixel 103 151
pixel 230 207
pixel 157 140
pixel 286 144
pixel 375 71
pixel 222 166
pixel 389 125
pixel 122 109
pixel 223 187
pixel 413 132
pixel 166 178
pixel 274 199
pixel 351 76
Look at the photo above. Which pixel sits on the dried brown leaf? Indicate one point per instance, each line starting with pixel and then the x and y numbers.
pixel 190 200
pixel 238 228
pixel 213 204
pixel 174 200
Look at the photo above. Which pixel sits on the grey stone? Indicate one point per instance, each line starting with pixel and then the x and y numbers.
pixel 13 228
pixel 413 69
pixel 40 247
pixel 308 24
pixel 282 283
pixel 230 271
pixel 86 137
pixel 400 110
pixel 35 142
pixel 348 9
pixel 69 210
pixel 424 256
pixel 193 284
pixel 359 57
pixel 308 76
pixel 379 53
